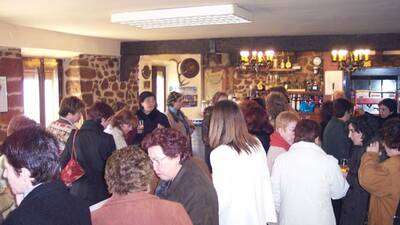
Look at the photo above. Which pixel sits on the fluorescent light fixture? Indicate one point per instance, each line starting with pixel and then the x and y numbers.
pixel 183 17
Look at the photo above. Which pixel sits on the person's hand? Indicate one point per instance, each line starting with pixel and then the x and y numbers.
pixel 160 126
pixel 373 147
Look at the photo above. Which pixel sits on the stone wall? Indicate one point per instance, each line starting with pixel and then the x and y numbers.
pixel 96 78
pixel 11 67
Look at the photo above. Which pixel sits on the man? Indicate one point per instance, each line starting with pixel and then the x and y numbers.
pixel 32 169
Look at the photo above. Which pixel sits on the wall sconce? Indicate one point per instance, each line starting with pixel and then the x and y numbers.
pixel 350 61
pixel 256 61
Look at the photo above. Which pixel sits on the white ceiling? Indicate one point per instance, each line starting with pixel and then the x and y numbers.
pixel 272 17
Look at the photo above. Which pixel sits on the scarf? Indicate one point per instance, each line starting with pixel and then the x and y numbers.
pixel 278 141
pixel 179 117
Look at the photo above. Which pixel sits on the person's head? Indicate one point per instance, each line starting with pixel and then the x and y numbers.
pixel 175 99
pixel 362 129
pixel 342 109
pixel 387 107
pixel 101 113
pixel 256 117
pixel 125 120
pixel 18 123
pixel 326 112
pixel 308 131
pixel 281 90
pixel 228 127
pixel 71 108
pixel 338 94
pixel 147 101
pixel 219 96
pixel 276 103
pixel 30 158
pixel 285 125
pixel 167 149
pixel 261 102
pixel 128 170
pixel 391 136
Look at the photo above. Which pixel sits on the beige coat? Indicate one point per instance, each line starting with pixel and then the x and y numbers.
pixel 273 153
pixel 382 181
pixel 179 125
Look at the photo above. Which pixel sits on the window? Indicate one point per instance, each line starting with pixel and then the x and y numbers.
pixel 42 89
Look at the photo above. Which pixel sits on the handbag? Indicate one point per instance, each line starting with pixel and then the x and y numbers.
pixel 72 171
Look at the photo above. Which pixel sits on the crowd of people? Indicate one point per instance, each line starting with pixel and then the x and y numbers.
pixel 263 164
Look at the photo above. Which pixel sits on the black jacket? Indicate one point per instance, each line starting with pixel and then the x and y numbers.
pixel 93 148
pixel 335 140
pixel 356 202
pixel 194 190
pixel 50 204
pixel 150 123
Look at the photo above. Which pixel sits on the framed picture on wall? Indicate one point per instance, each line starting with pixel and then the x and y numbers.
pixel 147 84
pixel 3 94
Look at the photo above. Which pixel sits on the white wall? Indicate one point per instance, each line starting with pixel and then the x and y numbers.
pixel 25 37
pixel 172 77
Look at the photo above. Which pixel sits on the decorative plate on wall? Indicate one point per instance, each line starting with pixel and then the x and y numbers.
pixel 146 72
pixel 189 68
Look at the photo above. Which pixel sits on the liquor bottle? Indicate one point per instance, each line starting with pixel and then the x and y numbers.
pixel 282 64
pixel 288 64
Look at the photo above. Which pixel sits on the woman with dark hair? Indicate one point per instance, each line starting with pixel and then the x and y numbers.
pixel 93 146
pixel 181 179
pixel 131 202
pixel 305 179
pixel 121 124
pixel 257 122
pixel 355 205
pixel 176 118
pixel 381 179
pixel 240 171
pixel 276 102
pixel 149 118
pixel 32 169
pixel 205 126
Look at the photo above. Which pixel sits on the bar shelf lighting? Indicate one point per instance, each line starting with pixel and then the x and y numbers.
pixel 183 17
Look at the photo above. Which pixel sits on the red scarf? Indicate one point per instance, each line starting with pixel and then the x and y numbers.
pixel 278 141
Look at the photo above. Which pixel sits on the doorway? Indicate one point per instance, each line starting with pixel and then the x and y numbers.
pixel 158 80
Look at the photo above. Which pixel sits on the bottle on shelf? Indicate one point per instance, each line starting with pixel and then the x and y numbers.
pixel 288 64
pixel 282 66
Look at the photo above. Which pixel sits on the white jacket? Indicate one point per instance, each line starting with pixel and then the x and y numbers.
pixel 243 185
pixel 118 136
pixel 304 180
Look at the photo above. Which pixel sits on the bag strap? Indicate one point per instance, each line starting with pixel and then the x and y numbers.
pixel 73 154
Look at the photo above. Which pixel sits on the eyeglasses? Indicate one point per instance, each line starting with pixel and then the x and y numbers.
pixel 158 161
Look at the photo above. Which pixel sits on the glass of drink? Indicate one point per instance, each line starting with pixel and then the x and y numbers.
pixel 140 126
pixel 344 167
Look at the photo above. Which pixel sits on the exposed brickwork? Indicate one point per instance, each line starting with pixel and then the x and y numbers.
pixel 11 67
pixel 95 78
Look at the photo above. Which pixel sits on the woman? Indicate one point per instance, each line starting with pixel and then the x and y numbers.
pixel 181 179
pixel 257 122
pixel 240 171
pixel 149 118
pixel 276 102
pixel 355 205
pixel 381 179
pixel 93 147
pixel 176 118
pixel 32 169
pixel 305 179
pixel 131 203
pixel 205 126
pixel 325 114
pixel 121 124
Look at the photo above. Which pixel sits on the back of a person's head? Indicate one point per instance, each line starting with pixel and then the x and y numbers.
pixel 99 110
pixel 18 123
pixel 341 106
pixel 36 150
pixel 391 104
pixel 256 117
pixel 367 126
pixel 172 142
pixel 71 104
pixel 284 118
pixel 326 112
pixel 307 130
pixel 391 133
pixel 124 116
pixel 276 103
pixel 217 97
pixel 280 89
pixel 338 94
pixel 260 101
pixel 228 127
pixel 128 170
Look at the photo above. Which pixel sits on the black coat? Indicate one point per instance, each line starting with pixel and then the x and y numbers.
pixel 355 203
pixel 93 148
pixel 50 204
pixel 335 140
pixel 150 122
pixel 194 190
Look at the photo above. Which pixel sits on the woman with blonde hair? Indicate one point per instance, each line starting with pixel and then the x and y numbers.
pixel 240 171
